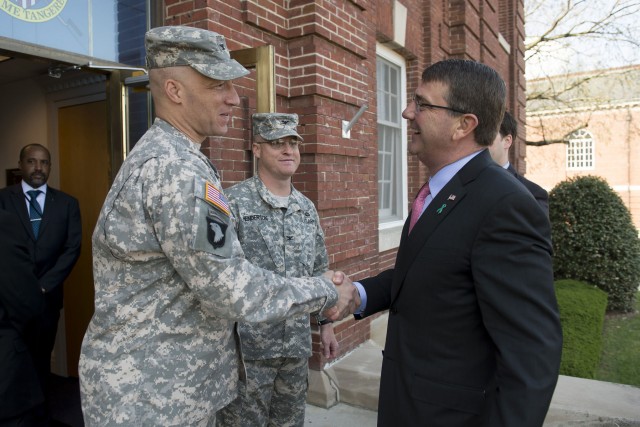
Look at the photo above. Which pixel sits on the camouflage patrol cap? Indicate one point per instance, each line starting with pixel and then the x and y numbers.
pixel 202 50
pixel 271 126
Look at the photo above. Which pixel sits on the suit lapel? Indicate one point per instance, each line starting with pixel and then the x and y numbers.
pixel 49 210
pixel 20 206
pixel 434 215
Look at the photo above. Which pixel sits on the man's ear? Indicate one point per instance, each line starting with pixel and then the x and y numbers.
pixel 256 149
pixel 507 141
pixel 466 124
pixel 174 90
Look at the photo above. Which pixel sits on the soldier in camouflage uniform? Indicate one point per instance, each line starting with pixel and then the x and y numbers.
pixel 279 230
pixel 170 275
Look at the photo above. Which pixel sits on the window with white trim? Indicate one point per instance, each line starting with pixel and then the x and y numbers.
pixel 392 146
pixel 580 150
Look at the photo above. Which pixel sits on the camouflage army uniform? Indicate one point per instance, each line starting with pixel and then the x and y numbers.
pixel 170 280
pixel 288 240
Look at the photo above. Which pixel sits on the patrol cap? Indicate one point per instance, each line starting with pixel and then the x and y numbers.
pixel 271 126
pixel 202 50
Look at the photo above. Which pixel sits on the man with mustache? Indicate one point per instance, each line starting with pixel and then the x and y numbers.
pixel 52 231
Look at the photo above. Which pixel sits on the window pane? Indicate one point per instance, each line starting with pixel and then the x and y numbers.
pixel 580 150
pixel 104 29
pixel 389 141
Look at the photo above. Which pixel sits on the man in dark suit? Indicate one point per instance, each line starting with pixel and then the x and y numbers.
pixel 54 243
pixel 500 153
pixel 473 335
pixel 21 303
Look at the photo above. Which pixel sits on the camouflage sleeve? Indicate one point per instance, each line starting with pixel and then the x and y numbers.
pixel 200 241
pixel 321 263
pixel 235 212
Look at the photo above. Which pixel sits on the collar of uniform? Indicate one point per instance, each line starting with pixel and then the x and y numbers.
pixel 294 198
pixel 180 137
pixel 182 141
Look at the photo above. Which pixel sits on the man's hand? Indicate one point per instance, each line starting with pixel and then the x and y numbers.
pixel 329 342
pixel 348 297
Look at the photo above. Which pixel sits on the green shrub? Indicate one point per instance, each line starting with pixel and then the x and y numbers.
pixel 594 239
pixel 582 307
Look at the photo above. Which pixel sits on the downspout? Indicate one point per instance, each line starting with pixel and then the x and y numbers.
pixel 628 142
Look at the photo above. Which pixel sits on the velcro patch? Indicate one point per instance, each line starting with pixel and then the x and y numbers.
pixel 216 198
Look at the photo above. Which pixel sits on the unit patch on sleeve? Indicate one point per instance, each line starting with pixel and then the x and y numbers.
pixel 216 230
pixel 213 231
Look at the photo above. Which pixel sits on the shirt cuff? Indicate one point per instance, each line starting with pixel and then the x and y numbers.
pixel 363 299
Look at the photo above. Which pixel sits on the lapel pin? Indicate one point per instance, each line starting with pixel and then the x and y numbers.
pixel 452 197
pixel 444 205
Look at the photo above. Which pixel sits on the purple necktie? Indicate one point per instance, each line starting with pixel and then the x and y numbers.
pixel 418 204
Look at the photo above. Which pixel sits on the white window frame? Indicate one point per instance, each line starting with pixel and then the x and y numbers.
pixel 389 231
pixel 581 150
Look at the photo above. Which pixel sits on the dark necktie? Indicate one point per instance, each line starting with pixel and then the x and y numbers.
pixel 418 203
pixel 35 212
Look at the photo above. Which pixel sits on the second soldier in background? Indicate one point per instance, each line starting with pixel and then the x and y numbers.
pixel 279 230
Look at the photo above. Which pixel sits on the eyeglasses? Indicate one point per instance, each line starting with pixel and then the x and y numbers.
pixel 421 105
pixel 279 144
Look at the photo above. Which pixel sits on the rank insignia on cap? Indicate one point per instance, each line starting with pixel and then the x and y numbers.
pixel 216 198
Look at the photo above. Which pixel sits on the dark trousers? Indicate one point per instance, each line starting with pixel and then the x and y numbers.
pixel 34 417
pixel 44 347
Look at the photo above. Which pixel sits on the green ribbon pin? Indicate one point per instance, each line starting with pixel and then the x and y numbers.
pixel 444 205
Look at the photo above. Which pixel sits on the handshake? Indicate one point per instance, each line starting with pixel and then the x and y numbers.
pixel 348 296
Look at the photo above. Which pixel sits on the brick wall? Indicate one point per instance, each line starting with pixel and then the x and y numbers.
pixel 325 67
pixel 615 133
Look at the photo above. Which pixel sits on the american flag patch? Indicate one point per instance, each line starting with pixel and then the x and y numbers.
pixel 216 198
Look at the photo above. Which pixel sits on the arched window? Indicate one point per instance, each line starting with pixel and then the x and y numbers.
pixel 580 150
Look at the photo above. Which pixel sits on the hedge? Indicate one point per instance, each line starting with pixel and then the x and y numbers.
pixel 594 239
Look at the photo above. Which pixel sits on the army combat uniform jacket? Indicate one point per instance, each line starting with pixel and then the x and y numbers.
pixel 170 280
pixel 287 240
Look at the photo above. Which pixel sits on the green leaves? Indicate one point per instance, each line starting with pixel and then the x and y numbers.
pixel 594 239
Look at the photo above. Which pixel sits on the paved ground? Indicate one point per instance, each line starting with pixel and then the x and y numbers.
pixel 576 402
pixel 339 415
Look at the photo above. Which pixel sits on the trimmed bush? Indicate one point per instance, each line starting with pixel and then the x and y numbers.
pixel 594 239
pixel 582 308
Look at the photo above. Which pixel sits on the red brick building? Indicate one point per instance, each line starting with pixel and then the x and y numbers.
pixel 592 120
pixel 327 57
pixel 331 61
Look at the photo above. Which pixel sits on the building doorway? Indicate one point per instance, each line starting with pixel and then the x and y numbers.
pixel 68 113
pixel 83 149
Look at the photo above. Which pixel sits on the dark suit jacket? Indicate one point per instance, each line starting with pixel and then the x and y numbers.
pixel 58 245
pixel 474 335
pixel 21 302
pixel 538 192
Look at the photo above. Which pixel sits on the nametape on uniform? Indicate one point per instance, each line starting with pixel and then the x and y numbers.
pixel 216 198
